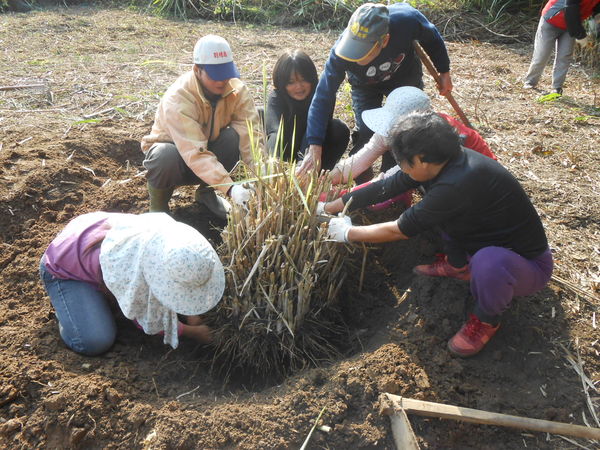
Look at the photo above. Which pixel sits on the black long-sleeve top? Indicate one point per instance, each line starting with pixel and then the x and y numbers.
pixel 474 199
pixel 293 114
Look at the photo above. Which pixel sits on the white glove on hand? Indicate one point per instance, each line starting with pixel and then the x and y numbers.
pixel 321 209
pixel 338 228
pixel 240 195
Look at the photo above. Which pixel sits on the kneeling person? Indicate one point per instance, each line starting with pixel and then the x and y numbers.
pixel 494 236
pixel 200 131
pixel 162 274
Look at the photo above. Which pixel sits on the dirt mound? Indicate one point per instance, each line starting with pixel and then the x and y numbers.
pixel 72 146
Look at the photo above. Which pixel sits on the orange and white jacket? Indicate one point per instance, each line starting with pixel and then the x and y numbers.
pixel 186 118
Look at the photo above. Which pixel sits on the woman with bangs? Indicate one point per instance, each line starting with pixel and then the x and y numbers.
pixel 294 80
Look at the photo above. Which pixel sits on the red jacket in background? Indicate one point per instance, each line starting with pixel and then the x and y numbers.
pixel 554 11
pixel 469 137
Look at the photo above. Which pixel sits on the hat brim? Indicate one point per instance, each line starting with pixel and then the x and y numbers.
pixel 352 49
pixel 221 72
pixel 378 120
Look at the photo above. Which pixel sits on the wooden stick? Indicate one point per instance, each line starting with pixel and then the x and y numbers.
pixel 590 298
pixel 104 111
pixel 431 409
pixel 436 76
pixel 404 436
pixel 21 86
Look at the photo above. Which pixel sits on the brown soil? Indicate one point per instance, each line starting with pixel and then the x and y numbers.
pixel 54 166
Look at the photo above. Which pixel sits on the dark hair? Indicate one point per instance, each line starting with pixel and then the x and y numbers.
pixel 294 61
pixel 426 134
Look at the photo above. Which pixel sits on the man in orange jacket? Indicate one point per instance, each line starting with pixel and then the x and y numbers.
pixel 201 131
pixel 559 26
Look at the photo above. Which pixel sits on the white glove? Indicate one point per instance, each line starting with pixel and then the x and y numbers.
pixel 240 195
pixel 338 228
pixel 321 209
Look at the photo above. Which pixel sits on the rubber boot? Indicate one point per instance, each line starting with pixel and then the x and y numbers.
pixel 159 199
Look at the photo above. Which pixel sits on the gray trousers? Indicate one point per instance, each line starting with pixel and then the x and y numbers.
pixel 547 38
pixel 166 168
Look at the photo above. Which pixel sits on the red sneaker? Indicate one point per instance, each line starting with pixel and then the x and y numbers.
pixel 472 337
pixel 441 268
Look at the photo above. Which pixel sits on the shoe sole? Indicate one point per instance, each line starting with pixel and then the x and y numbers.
pixel 462 355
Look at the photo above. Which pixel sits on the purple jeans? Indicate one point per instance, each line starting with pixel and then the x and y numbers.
pixel 498 274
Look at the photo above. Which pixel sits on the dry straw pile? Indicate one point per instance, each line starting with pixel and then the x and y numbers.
pixel 282 277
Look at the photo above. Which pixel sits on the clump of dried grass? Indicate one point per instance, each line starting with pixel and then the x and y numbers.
pixel 282 277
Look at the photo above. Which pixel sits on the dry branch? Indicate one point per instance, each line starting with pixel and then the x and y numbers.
pixel 587 296
pixel 22 86
pixel 104 111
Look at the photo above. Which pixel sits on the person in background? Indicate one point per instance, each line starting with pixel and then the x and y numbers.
pixel 493 235
pixel 200 131
pixel 401 101
pixel 560 25
pixel 376 51
pixel 294 81
pixel 162 274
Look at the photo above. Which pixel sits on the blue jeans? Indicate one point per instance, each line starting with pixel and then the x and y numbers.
pixel 85 320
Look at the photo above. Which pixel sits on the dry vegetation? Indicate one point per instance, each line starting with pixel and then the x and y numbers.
pixel 283 277
pixel 71 146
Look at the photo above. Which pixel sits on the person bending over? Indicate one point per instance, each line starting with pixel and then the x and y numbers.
pixel 560 24
pixel 376 52
pixel 162 274
pixel 494 237
pixel 401 101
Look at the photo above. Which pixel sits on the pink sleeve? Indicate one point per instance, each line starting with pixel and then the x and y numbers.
pixel 364 158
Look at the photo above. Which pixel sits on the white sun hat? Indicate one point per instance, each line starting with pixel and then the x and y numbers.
pixel 157 268
pixel 401 101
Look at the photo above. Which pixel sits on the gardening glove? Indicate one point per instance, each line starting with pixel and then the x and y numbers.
pixel 338 228
pixel 240 195
pixel 321 209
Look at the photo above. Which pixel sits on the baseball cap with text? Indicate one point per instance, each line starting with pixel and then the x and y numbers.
pixel 367 26
pixel 214 54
